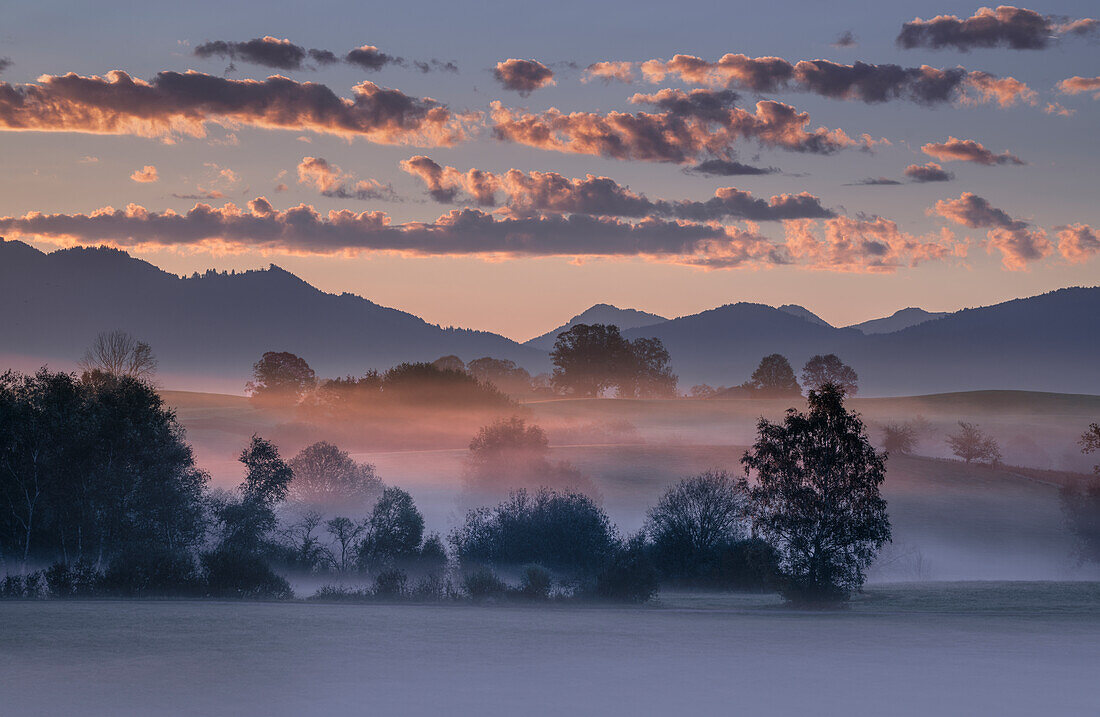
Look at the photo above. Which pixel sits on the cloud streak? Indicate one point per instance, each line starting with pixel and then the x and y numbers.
pixel 686 127
pixel 1007 26
pixel 174 104
pixel 967 150
pixel 282 54
pixel 528 193
pixel 330 181
pixel 860 81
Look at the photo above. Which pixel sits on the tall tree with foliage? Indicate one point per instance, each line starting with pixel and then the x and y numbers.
pixel 650 375
pixel 821 370
pixel 773 378
pixel 589 358
pixel 280 378
pixel 817 497
pixel 327 477
pixel 972 444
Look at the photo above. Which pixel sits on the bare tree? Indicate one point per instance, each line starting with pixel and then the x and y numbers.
pixel 117 353
pixel 971 444
pixel 345 532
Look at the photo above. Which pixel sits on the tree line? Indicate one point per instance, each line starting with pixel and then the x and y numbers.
pixel 97 480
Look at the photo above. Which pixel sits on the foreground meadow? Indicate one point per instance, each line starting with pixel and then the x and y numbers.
pixel 899 649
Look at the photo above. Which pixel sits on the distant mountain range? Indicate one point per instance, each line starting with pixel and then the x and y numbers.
pixel 598 314
pixel 208 329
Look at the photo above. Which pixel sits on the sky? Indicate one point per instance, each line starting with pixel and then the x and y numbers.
pixel 503 167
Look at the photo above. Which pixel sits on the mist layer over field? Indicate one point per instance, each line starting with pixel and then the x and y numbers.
pixel 901 650
pixel 951 521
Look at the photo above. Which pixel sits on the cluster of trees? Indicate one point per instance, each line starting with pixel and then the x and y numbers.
pixel 590 359
pixel 775 378
pixel 510 452
pixel 97 479
pixel 284 380
pixel 504 374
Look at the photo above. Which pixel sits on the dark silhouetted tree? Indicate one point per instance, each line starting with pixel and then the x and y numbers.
pixel 327 477
pixel 694 519
pixel 629 574
pixel 345 533
pixel 393 532
pixel 821 370
pixel 117 353
pixel 773 378
pixel 561 530
pixel 650 374
pixel 817 497
pixel 971 444
pixel 590 358
pixel 1081 504
pixel 280 378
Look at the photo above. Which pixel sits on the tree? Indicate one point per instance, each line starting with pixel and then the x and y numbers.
pixel 561 530
pixel 650 375
pixel 821 370
pixel 509 453
pixel 345 532
pixel 773 378
pixel 693 519
pixel 971 444
pixel 393 533
pixel 1081 504
pixel 117 353
pixel 900 438
pixel 248 518
pixel 502 373
pixel 327 477
pixel 449 363
pixel 703 390
pixel 280 378
pixel 589 358
pixel 817 497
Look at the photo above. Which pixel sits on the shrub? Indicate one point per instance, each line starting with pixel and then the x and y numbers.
pixel 483 584
pixel 561 530
pixel 339 593
pixel 136 574
pixel 80 579
pixel 630 575
pixel 434 587
pixel 234 574
pixel 391 584
pixel 17 587
pixel 535 583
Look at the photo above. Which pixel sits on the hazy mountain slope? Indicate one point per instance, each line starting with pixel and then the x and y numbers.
pixel 1045 343
pixel 214 324
pixel 898 320
pixel 803 313
pixel 598 314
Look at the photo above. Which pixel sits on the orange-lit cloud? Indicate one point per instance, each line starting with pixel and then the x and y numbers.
pixel 859 81
pixel 1078 243
pixel 526 193
pixel 176 103
pixel 523 76
pixel 331 181
pixel 864 245
pixel 609 71
pixel 1080 85
pixel 967 150
pixel 1018 243
pixel 686 127
pixel 1007 26
pixel 145 175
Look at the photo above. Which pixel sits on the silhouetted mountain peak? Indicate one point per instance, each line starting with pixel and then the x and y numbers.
pixel 803 313
pixel 901 319
pixel 598 314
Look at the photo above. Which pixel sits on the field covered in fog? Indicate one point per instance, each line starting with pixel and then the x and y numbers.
pixel 916 649
pixel 951 521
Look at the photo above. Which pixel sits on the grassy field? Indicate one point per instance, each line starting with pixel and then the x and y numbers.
pixel 931 649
